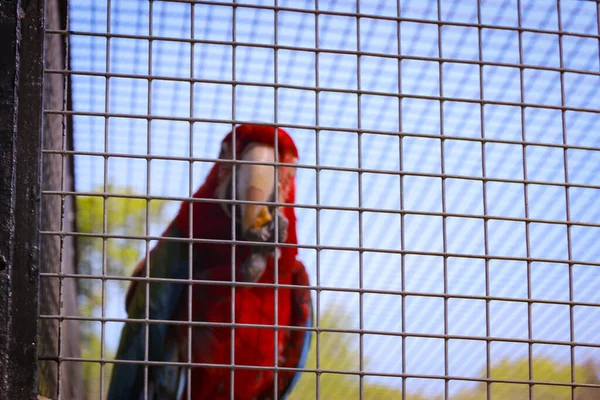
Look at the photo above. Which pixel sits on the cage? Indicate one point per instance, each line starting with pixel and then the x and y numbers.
pixel 447 188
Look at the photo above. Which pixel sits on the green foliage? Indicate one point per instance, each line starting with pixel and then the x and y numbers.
pixel 125 216
pixel 543 369
pixel 338 352
pixel 122 216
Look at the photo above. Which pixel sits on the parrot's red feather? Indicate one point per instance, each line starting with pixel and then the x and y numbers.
pixel 253 305
pixel 245 134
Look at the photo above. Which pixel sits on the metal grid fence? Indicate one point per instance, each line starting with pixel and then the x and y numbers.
pixel 447 191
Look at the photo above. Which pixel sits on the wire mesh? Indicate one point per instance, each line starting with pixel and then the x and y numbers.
pixel 447 190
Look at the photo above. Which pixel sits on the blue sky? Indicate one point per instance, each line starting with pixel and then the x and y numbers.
pixel 212 60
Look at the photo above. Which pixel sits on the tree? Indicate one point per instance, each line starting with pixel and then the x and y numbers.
pixel 543 369
pixel 125 216
pixel 336 352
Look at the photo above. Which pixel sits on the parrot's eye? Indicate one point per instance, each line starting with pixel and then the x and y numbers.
pixel 225 152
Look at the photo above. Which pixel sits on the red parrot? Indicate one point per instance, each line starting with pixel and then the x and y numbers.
pixel 252 346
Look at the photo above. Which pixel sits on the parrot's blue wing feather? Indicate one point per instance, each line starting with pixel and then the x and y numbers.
pixel 302 315
pixel 304 355
pixel 169 260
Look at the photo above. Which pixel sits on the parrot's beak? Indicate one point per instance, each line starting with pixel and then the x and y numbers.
pixel 256 183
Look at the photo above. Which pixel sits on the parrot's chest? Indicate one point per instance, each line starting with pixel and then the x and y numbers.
pixel 243 305
pixel 218 302
pixel 257 315
pixel 251 345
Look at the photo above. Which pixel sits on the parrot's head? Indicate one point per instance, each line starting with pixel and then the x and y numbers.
pixel 253 145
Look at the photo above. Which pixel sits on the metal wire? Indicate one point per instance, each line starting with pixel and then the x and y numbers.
pixel 191 218
pixel 318 351
pixel 62 207
pixel 233 190
pixel 105 200
pixel 276 196
pixel 454 242
pixel 567 209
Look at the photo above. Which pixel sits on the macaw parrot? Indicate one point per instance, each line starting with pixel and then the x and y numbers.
pixel 213 261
